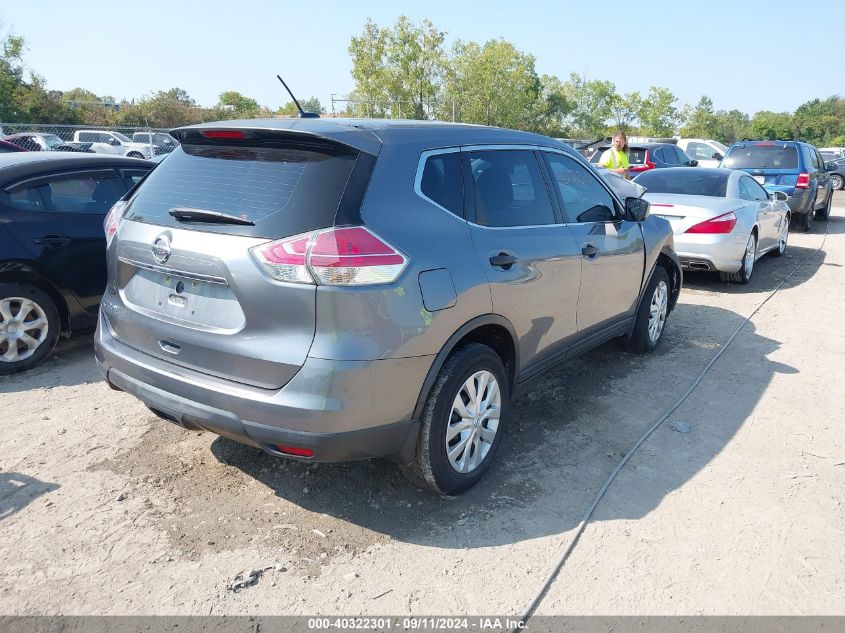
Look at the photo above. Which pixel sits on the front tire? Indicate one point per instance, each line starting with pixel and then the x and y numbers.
pixel 743 275
pixel 783 238
pixel 462 422
pixel 652 314
pixel 29 327
pixel 837 182
pixel 134 155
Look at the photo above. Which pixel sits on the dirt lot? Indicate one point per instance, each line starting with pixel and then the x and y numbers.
pixel 104 509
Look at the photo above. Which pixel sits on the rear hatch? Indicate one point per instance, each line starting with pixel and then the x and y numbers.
pixel 773 165
pixel 187 287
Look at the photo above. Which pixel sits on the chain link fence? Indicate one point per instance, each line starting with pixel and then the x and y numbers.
pixel 138 142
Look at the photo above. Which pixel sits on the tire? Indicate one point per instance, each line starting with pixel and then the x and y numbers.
pixel 783 238
pixel 134 155
pixel 837 182
pixel 24 344
pixel 824 214
pixel 807 220
pixel 743 275
pixel 432 467
pixel 651 315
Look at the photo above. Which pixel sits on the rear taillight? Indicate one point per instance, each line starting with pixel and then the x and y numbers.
pixel 803 181
pixel 112 220
pixel 351 256
pixel 647 164
pixel 720 224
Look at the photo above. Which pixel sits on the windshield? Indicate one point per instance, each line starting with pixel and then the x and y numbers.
pixel 762 156
pixel 691 182
pixel 52 140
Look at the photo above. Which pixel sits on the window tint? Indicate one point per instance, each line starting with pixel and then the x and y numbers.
pixel 753 188
pixel 760 156
pixel 87 137
pixel 669 156
pixel 83 194
pixel 284 190
pixel 509 189
pixel 583 198
pixel 133 176
pixel 700 151
pixel 819 161
pixel 24 198
pixel 441 182
pixel 682 157
pixel 692 182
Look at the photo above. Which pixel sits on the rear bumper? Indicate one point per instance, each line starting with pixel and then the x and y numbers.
pixel 800 201
pixel 341 410
pixel 722 253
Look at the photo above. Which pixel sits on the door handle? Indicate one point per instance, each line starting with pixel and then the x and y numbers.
pixel 589 250
pixel 503 260
pixel 53 240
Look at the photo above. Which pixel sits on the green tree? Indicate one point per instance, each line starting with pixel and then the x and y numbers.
pixel 625 110
pixel 701 121
pixel 240 104
pixel 658 113
pixel 168 108
pixel 593 102
pixel 493 84
pixel 772 125
pixel 731 126
pixel 819 121
pixel 370 95
pixel 550 110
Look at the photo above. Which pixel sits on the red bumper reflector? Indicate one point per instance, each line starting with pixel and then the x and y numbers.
pixel 293 450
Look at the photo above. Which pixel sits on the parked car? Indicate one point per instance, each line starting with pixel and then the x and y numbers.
pixel 36 142
pixel 707 152
pixel 6 147
pixel 645 156
pixel 106 142
pixel 723 220
pixel 793 167
pixel 384 304
pixel 52 246
pixel 161 142
pixel 835 152
pixel 836 169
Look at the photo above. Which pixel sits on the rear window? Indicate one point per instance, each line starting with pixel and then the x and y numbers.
pixel 762 157
pixel 282 190
pixel 693 182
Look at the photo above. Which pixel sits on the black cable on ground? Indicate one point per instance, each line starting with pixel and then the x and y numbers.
pixel 561 561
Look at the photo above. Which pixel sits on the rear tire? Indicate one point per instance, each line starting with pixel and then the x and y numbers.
pixel 29 327
pixel 743 275
pixel 476 424
pixel 807 220
pixel 652 314
pixel 134 155
pixel 783 238
pixel 837 182
pixel 824 214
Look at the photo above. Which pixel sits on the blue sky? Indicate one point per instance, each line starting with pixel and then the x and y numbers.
pixel 739 53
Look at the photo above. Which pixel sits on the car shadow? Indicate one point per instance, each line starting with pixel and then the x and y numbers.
pixel 70 363
pixel 18 490
pixel 563 440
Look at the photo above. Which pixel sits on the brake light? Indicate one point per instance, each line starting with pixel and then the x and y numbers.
pixel 112 220
pixel 295 450
pixel 803 181
pixel 720 224
pixel 222 134
pixel 349 256
pixel 647 164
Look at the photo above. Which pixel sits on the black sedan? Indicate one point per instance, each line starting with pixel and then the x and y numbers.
pixel 52 246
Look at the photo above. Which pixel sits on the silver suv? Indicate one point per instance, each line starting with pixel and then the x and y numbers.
pixel 329 290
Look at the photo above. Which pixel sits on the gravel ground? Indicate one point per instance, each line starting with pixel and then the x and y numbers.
pixel 734 506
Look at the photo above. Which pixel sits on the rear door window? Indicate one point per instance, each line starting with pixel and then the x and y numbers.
pixel 669 156
pixel 762 156
pixel 283 190
pixel 84 193
pixel 509 189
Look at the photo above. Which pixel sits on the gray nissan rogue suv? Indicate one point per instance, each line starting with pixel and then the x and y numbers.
pixel 328 289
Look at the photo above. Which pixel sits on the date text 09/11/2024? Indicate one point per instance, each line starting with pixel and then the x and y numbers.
pixel 415 624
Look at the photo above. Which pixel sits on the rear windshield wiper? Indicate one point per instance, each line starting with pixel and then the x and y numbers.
pixel 186 214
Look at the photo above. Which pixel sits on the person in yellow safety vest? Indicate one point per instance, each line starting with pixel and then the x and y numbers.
pixel 616 158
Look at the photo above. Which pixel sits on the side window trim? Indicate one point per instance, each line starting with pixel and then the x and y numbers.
pixel 43 179
pixel 419 175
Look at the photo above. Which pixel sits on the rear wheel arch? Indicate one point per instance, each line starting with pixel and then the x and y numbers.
pixel 669 262
pixel 492 330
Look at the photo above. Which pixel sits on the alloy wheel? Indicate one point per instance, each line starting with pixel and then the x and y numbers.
pixel 657 311
pixel 23 328
pixel 473 422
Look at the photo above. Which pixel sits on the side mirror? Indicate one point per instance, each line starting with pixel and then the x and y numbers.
pixel 779 196
pixel 717 156
pixel 114 141
pixel 693 163
pixel 636 209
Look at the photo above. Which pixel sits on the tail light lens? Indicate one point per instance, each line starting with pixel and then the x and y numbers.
pixel 112 221
pixel 351 256
pixel 720 224
pixel 803 181
pixel 647 164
